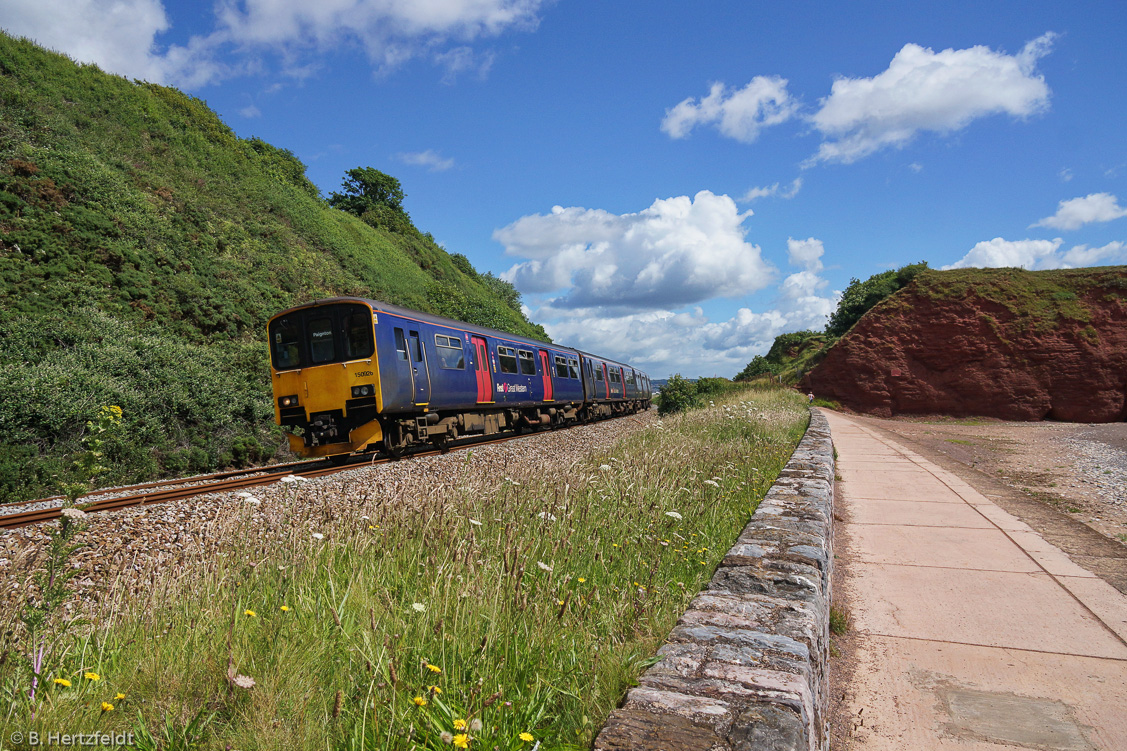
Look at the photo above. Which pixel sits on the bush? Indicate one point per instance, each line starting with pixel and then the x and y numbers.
pixel 677 395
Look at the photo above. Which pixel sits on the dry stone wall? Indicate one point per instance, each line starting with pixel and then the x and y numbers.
pixel 746 667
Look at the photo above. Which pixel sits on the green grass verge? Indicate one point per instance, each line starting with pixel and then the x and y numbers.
pixel 516 600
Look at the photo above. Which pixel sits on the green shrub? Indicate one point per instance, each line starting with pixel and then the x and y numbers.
pixel 677 395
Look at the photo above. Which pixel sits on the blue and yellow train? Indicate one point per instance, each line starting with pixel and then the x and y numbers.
pixel 354 375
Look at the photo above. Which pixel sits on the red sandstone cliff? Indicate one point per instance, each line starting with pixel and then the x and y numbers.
pixel 1007 343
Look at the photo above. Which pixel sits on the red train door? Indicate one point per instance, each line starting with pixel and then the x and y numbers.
pixel 481 361
pixel 548 393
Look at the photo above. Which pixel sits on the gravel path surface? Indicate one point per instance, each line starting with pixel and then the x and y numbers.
pixel 135 548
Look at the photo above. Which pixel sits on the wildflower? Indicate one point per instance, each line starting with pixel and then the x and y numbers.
pixel 475 726
pixel 92 676
pixel 446 736
pixel 434 689
pixel 544 566
pixel 546 515
pixel 459 724
pixel 475 522
pixel 559 602
pixel 285 608
pixel 713 483
pixel 461 740
pixel 250 613
pixel 74 514
pixel 62 682
pixel 243 681
pixel 604 467
pixel 582 579
pixel 318 536
pixel 107 707
pixel 419 607
pixel 526 737
pixel 119 697
pixel 419 701
pixel 674 515
pixel 294 478
pixel 433 668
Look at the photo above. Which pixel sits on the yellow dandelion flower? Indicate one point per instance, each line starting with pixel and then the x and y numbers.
pixel 250 613
pixel 285 608
pixel 107 707
pixel 461 740
pixel 559 602
pixel 419 701
pixel 434 689
pixel 62 682
pixel 119 697
pixel 581 580
pixel 433 668
pixel 459 724
pixel 92 676
pixel 526 737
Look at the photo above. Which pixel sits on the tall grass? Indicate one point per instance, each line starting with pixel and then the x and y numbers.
pixel 485 600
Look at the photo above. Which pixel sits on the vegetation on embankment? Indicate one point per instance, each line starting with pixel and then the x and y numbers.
pixel 502 600
pixel 143 246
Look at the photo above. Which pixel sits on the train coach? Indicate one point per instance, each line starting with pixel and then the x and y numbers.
pixel 353 375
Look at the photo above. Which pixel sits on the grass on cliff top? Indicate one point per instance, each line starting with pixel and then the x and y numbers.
pixel 465 613
pixel 1037 300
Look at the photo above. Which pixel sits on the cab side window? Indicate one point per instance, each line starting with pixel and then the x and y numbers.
pixel 358 341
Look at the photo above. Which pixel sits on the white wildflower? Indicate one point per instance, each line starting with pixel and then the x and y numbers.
pixel 544 566
pixel 475 522
pixel 243 681
pixel 418 607
pixel 547 516
pixel 318 536
pixel 74 514
pixel 713 483
pixel 674 514
pixel 475 725
pixel 604 467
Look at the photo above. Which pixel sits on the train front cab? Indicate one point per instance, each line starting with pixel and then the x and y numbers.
pixel 326 377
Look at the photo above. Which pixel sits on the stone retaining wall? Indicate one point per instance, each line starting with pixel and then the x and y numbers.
pixel 745 667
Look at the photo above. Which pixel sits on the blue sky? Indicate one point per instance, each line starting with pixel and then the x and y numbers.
pixel 668 183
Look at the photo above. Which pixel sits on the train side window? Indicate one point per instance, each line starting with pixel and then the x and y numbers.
pixel 527 362
pixel 507 359
pixel 416 346
pixel 358 336
pixel 561 367
pixel 321 347
pixel 630 378
pixel 573 368
pixel 614 377
pixel 599 373
pixel 400 345
pixel 450 353
pixel 286 343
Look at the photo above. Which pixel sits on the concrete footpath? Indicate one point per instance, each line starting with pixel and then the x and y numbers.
pixel 974 633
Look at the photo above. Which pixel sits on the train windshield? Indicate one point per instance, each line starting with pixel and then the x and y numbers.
pixel 315 336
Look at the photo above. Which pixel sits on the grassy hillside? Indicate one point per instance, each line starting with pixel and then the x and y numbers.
pixel 143 245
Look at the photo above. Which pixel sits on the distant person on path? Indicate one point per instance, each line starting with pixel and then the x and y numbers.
pixel 810 398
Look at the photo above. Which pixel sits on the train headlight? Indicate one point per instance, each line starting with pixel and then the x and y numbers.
pixel 358 391
pixel 287 401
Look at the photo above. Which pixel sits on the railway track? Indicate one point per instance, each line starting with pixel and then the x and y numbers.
pixel 175 490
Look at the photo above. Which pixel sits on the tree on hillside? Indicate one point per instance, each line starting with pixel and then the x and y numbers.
pixel 757 367
pixel 860 296
pixel 375 197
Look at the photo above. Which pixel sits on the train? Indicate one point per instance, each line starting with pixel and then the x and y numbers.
pixel 352 375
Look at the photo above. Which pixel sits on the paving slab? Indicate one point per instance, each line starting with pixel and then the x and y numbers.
pixel 974 631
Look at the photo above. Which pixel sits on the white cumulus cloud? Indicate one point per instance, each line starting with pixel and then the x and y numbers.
pixel 665 340
pixel 679 251
pixel 1076 212
pixel 924 90
pixel 738 114
pixel 1039 254
pixel 121 37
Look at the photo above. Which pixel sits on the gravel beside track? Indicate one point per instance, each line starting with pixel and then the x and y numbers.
pixel 130 551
